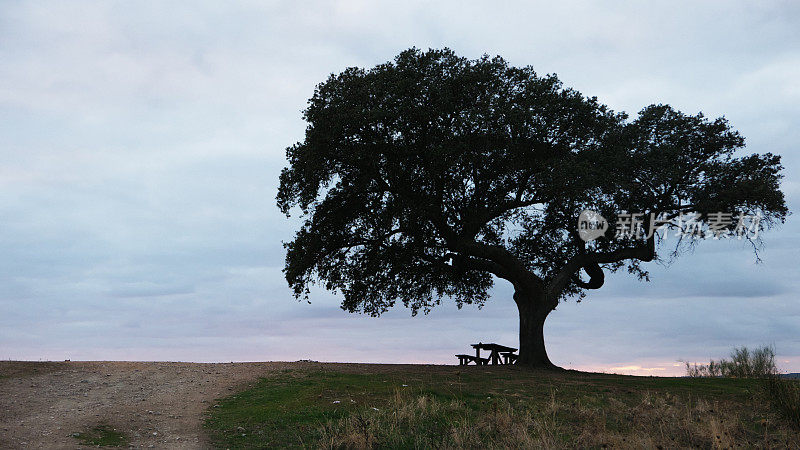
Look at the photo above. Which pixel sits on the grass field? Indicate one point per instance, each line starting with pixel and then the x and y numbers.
pixel 441 406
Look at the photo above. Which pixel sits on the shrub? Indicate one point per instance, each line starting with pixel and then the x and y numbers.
pixel 743 363
pixel 784 395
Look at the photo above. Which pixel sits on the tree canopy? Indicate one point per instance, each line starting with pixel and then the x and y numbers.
pixel 430 175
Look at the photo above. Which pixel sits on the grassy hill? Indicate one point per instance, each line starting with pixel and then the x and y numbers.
pixel 444 406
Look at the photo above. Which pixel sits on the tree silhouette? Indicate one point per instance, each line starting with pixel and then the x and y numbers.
pixel 430 176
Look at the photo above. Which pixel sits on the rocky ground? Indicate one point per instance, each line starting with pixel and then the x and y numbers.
pixel 156 404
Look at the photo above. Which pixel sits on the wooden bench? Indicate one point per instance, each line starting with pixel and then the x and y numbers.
pixel 463 360
pixel 509 357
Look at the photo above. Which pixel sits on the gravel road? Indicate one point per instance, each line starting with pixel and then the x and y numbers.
pixel 157 404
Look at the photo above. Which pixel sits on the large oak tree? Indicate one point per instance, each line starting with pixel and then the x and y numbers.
pixel 432 175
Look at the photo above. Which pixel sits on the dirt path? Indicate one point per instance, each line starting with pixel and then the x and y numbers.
pixel 158 405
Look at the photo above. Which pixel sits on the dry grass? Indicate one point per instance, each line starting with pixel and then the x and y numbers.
pixel 502 407
pixel 657 420
pixel 784 395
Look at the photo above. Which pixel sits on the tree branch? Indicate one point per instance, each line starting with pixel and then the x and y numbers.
pixel 515 269
pixel 590 262
pixel 596 277
pixel 480 264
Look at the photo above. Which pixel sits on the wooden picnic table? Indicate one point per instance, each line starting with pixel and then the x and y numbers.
pixel 495 353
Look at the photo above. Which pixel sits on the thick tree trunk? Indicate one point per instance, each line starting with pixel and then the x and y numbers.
pixel 533 311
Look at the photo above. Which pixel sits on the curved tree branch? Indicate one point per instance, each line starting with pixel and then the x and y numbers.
pixel 596 276
pixel 590 262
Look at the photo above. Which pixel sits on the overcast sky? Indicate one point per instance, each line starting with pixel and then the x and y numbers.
pixel 141 142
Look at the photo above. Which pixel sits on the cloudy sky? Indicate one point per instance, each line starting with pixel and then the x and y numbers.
pixel 140 146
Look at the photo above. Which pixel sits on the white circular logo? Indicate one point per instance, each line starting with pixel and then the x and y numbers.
pixel 591 225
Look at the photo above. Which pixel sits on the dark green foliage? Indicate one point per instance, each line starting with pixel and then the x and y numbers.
pixel 282 411
pixel 422 177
